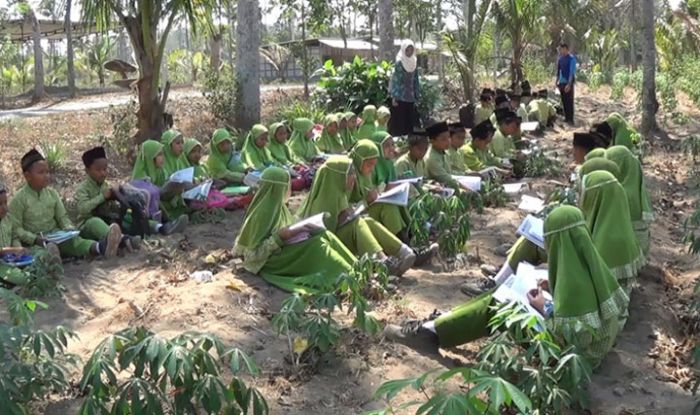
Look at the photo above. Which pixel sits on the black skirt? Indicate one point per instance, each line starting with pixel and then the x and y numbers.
pixel 403 118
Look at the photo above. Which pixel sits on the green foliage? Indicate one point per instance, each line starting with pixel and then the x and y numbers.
pixel 444 220
pixel 124 123
pixel 539 164
pixel 493 194
pixel 687 76
pixel 307 321
pixel 55 154
pixel 536 70
pixel 691 228
pixel 604 47
pixel 34 361
pixel 44 276
pixel 222 93
pixel 295 109
pixel 430 99
pixel 353 85
pixel 136 371
pixel 621 80
pixel 691 147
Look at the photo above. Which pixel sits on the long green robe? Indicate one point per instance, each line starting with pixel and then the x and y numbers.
pixel 437 168
pixel 623 133
pixel 368 127
pixel 589 305
pixel 350 135
pixel 302 146
pixel 605 207
pixel 330 144
pixel 476 159
pixel 228 166
pixel 632 180
pixel 305 267
pixel 252 156
pixel 280 152
pixel 502 146
pixel 328 194
pixel 200 171
pixel 145 167
pixel 390 216
pixel 406 167
pixel 173 162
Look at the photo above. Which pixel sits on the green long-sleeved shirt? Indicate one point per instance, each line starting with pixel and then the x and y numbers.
pixel 406 167
pixel 476 159
pixel 456 161
pixel 482 113
pixel 88 196
pixel 35 212
pixel 7 237
pixel 502 145
pixel 437 168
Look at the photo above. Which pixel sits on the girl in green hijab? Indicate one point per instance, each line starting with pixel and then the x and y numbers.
pixel 302 143
pixel 173 143
pixel 350 136
pixel 623 133
pixel 383 116
pixel 193 155
pixel 365 159
pixel 595 153
pixel 587 308
pixel 268 246
pixel 277 145
pixel 632 179
pixel 331 141
pixel 333 182
pixel 223 163
pixel 150 165
pixel 255 154
pixel 368 127
pixel 604 205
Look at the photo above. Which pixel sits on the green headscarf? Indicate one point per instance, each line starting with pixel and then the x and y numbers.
pixel 349 136
pixel 145 166
pixel 332 144
pixel 302 146
pixel 200 172
pixel 604 205
pixel 280 152
pixel 595 153
pixel 368 127
pixel 599 163
pixel 385 171
pixel 267 212
pixel 328 192
pixel 363 150
pixel 586 295
pixel 253 156
pixel 173 163
pixel 632 179
pixel 383 115
pixel 623 134
pixel 219 162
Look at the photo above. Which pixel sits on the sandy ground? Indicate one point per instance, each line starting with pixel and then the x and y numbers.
pixel 102 297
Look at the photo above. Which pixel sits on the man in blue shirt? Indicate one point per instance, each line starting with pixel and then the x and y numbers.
pixel 566 77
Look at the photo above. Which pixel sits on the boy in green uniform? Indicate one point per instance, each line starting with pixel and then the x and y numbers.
pixel 458 135
pixel 541 110
pixel 502 102
pixel 476 154
pixel 437 165
pixel 37 210
pixel 9 245
pixel 412 164
pixel 96 200
pixel 484 110
pixel 518 107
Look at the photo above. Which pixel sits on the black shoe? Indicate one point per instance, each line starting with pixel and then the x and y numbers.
pixel 175 226
pixel 424 255
pixel 414 335
pixel 478 287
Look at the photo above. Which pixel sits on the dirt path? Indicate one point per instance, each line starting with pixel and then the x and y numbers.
pixel 102 296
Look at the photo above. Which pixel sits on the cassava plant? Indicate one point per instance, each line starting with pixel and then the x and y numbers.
pixel 444 220
pixel 539 164
pixel 136 371
pixel 493 193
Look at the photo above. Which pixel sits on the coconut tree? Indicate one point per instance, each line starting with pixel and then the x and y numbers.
pixel 97 53
pixel 649 103
pixel 518 19
pixel 248 63
pixel 148 24
pixel 386 29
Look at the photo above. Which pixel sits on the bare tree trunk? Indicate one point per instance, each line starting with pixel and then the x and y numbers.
pixel 38 58
pixel 231 17
pixel 386 30
pixel 649 103
pixel 69 50
pixel 633 36
pixel 248 63
pixel 215 46
pixel 304 52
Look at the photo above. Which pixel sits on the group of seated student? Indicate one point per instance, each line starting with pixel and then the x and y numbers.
pixel 593 254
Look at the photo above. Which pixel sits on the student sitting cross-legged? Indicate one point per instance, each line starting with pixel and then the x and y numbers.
pixel 283 156
pixel 437 163
pixel 331 141
pixel 588 306
pixel 37 210
pixel 334 180
pixel 223 163
pixel 295 260
pixel 476 154
pixel 412 164
pixel 458 135
pixel 97 201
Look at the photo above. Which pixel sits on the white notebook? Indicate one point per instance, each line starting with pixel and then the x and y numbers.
pixel 532 229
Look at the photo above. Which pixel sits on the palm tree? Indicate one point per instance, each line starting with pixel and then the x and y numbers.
pixel 649 103
pixel 519 20
pixel 148 24
pixel 97 53
pixel 278 57
pixel 248 63
pixel 386 30
pixel 28 12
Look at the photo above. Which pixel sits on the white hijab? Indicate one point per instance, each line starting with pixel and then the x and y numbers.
pixel 409 63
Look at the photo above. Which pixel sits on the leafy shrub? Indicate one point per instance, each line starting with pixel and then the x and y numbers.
pixel 45 275
pixel 430 99
pixel 536 70
pixel 298 109
pixel 221 90
pixel 444 220
pixel 539 164
pixel 691 148
pixel 124 121
pixel 691 236
pixel 55 154
pixel 687 77
pixel 34 361
pixel 493 193
pixel 667 90
pixel 596 80
pixel 621 80
pixel 307 320
pixel 136 371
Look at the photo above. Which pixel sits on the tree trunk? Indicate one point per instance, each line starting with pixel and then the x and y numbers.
pixel 231 20
pixel 248 63
pixel 69 50
pixel 649 103
pixel 38 58
pixel 386 30
pixel 304 52
pixel 215 46
pixel 633 35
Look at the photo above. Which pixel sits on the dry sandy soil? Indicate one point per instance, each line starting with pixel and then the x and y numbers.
pixel 645 373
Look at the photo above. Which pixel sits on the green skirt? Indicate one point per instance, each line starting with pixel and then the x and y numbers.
pixel 467 322
pixel 367 236
pixel 391 216
pixel 309 266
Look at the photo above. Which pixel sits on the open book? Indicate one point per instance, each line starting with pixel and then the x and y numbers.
pixel 529 126
pixel 513 188
pixel 309 226
pixel 516 287
pixel 199 192
pixel 59 237
pixel 472 183
pixel 359 211
pixel 251 179
pixel 397 196
pixel 185 175
pixel 411 180
pixel 531 204
pixel 532 229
